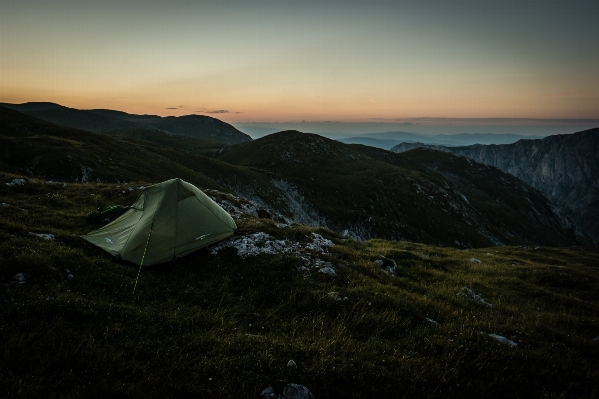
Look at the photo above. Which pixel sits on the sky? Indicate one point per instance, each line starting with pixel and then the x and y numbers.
pixel 336 60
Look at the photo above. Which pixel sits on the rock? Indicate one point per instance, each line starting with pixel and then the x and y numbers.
pixel 70 276
pixel 431 321
pixel 595 340
pixel 49 237
pixel 86 172
pixel 291 391
pixel 18 278
pixel 319 242
pixel 468 293
pixel 328 270
pixel 297 391
pixel 379 262
pixel 268 393
pixel 255 244
pixel 292 364
pixel 503 340
pixel 475 260
pixel 16 182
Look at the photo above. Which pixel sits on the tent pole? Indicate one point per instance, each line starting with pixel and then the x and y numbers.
pixel 141 263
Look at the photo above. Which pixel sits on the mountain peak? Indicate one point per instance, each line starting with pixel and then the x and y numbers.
pixel 33 106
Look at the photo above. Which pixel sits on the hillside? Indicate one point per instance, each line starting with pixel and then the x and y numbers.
pixel 354 190
pixel 563 167
pixel 105 121
pixel 367 192
pixel 396 319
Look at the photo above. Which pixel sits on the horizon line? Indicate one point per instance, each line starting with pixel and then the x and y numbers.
pixel 379 120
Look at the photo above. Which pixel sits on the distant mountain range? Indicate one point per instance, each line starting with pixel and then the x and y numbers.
pixel 117 122
pixel 389 140
pixel 362 192
pixel 564 167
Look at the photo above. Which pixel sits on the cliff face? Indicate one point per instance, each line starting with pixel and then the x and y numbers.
pixel 564 167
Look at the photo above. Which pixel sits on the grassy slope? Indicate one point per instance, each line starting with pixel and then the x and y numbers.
pixel 187 336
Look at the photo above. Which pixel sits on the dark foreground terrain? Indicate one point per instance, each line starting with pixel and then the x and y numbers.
pixel 394 320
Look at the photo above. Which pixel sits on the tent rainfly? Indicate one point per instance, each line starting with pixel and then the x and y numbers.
pixel 169 219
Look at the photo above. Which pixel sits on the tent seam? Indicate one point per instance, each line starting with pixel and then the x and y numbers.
pixel 210 210
pixel 142 214
pixel 176 223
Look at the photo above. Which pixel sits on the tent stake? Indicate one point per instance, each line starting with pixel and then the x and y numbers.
pixel 141 263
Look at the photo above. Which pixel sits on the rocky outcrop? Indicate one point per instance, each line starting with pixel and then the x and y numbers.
pixel 564 167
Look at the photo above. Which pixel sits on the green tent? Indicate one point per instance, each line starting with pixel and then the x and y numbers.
pixel 170 219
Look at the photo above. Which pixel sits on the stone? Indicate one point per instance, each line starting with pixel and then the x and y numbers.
pixel 16 182
pixel 292 364
pixel 49 237
pixel 297 391
pixel 18 278
pixel 268 393
pixel 328 270
pixel 503 340
pixel 468 293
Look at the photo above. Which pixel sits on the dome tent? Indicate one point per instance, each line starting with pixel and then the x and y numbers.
pixel 169 219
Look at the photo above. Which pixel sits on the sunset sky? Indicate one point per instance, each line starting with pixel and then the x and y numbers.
pixel 306 60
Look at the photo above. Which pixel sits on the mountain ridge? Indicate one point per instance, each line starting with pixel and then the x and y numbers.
pixel 107 121
pixel 564 167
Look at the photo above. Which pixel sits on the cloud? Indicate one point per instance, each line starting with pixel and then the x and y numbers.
pixel 221 111
pixel 172 108
pixel 372 101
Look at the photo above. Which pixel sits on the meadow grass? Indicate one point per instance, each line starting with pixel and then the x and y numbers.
pixel 223 326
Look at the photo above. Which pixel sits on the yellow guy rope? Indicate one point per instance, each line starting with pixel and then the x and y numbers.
pixel 142 262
